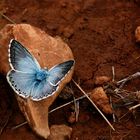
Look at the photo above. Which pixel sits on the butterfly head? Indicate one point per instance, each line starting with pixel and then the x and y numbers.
pixel 41 75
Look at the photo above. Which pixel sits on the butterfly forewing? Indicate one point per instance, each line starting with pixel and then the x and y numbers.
pixel 58 72
pixel 21 59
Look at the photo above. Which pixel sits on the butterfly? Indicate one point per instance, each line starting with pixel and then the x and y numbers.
pixel 28 79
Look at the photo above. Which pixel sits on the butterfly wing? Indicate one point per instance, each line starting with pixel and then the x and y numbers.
pixel 25 85
pixel 58 72
pixel 20 58
pixel 42 90
pixel 21 83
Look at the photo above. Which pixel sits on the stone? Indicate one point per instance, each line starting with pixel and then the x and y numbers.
pixel 100 98
pixel 48 51
pixel 100 80
pixel 72 118
pixel 137 34
pixel 60 132
pixel 68 32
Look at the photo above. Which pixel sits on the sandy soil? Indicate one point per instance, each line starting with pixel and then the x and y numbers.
pixel 101 35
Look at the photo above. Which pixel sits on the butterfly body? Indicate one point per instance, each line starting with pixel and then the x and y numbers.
pixel 28 79
pixel 41 75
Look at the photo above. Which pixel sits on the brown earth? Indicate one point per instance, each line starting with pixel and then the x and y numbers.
pixel 101 35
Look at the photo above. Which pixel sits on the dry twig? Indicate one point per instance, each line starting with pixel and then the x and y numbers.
pixel 7 18
pixel 113 74
pixel 76 110
pixel 124 115
pixel 6 122
pixel 113 115
pixel 134 107
pixel 123 81
pixel 19 125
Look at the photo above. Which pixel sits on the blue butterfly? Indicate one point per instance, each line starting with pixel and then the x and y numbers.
pixel 28 79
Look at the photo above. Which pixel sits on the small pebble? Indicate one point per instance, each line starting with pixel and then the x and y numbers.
pixel 100 80
pixel 60 132
pixel 137 34
pixel 68 32
pixel 72 118
pixel 99 97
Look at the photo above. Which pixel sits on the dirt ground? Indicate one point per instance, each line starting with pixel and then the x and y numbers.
pixel 101 35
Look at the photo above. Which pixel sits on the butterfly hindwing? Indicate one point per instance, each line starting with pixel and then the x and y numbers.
pixel 21 83
pixel 20 58
pixel 42 90
pixel 25 85
pixel 58 72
